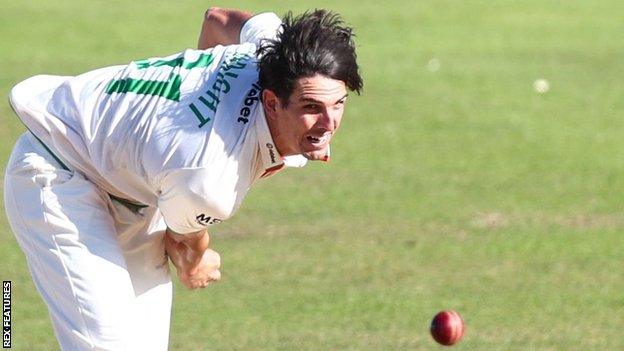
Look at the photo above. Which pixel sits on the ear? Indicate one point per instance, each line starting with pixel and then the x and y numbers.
pixel 270 101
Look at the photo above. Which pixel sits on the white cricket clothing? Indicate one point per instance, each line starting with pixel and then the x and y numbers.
pixel 100 267
pixel 260 27
pixel 184 135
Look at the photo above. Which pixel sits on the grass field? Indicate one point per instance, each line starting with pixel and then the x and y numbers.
pixel 457 188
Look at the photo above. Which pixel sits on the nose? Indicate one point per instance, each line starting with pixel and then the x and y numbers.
pixel 329 120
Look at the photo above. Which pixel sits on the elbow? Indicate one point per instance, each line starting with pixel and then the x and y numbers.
pixel 221 26
pixel 215 15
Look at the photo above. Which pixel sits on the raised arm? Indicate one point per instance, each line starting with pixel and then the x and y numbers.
pixel 221 26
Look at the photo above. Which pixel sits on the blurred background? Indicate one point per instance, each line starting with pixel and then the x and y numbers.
pixel 481 170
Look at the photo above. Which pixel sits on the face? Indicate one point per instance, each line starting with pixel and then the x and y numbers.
pixel 306 123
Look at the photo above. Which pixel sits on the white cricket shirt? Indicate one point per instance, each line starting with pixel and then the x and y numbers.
pixel 186 132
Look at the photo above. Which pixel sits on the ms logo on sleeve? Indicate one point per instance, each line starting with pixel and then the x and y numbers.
pixel 206 220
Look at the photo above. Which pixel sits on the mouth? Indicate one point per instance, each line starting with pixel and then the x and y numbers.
pixel 319 142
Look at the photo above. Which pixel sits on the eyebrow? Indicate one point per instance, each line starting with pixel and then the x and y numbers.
pixel 320 102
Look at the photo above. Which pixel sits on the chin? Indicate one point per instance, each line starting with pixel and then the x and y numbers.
pixel 320 155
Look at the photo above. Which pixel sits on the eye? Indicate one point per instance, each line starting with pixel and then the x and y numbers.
pixel 340 104
pixel 311 107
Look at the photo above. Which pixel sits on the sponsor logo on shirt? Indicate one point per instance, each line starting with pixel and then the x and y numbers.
pixel 206 105
pixel 252 97
pixel 205 220
pixel 271 152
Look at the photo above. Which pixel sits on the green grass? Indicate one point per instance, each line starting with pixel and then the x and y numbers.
pixel 456 189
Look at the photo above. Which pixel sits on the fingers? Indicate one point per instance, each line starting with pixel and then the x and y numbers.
pixel 209 261
pixel 205 272
pixel 214 276
pixel 194 282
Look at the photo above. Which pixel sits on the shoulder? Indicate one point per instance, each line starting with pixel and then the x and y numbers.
pixel 189 200
pixel 26 92
pixel 197 187
pixel 261 26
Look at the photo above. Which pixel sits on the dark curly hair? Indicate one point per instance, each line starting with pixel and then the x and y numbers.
pixel 313 43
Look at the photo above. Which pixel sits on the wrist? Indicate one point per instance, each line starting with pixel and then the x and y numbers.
pixel 199 242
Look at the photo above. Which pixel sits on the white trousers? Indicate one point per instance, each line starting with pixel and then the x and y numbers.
pixel 99 265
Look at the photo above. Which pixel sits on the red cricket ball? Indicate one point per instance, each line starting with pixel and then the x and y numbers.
pixel 447 327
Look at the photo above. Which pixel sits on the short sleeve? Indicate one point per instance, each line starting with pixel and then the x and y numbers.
pixel 189 202
pixel 261 26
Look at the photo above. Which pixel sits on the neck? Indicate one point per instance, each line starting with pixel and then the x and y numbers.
pixel 279 139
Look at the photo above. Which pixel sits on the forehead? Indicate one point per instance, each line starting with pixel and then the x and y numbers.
pixel 319 88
